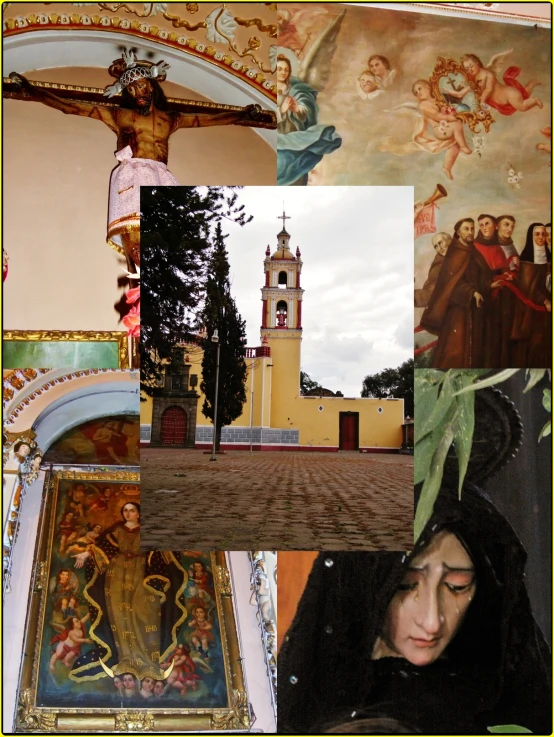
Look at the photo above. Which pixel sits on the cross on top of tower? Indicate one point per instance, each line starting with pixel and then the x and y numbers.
pixel 283 217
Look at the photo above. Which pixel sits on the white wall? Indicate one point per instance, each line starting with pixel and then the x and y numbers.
pixel 255 669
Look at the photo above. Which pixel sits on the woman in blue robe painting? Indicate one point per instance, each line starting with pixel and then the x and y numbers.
pixel 301 142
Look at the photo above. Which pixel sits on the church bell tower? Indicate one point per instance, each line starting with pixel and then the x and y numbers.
pixel 282 319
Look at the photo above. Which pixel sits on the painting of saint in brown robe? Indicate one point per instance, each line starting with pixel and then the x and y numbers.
pixel 456 308
pixel 135 600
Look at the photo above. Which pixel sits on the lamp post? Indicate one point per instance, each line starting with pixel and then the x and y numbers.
pixel 215 339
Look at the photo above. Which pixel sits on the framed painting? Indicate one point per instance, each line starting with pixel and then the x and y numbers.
pixel 106 441
pixel 83 349
pixel 121 639
pixel 459 108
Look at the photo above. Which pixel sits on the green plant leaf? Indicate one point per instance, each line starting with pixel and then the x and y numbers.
pixel 426 391
pixel 423 454
pixel 547 400
pixel 534 376
pixel 432 483
pixel 490 380
pixel 427 415
pixel 463 428
pixel 426 447
pixel 508 729
pixel 430 375
pixel 547 429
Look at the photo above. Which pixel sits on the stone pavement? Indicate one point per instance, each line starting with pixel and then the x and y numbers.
pixel 275 500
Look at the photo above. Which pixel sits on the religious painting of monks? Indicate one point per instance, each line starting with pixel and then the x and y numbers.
pixel 113 628
pixel 107 441
pixel 458 107
pixel 486 301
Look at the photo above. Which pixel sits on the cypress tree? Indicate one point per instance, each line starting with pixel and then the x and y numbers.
pixel 220 313
pixel 175 243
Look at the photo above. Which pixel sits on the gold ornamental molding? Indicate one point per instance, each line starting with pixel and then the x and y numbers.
pixel 218 36
pixel 71 336
pixel 221 575
pixel 54 382
pixel 238 717
pixel 16 380
pixel 485 10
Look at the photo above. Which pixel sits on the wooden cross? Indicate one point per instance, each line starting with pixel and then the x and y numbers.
pixel 266 118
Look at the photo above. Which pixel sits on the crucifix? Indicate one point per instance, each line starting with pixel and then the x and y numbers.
pixel 283 217
pixel 136 109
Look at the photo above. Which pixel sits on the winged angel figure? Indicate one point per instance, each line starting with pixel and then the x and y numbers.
pixel 437 128
pixel 507 98
pixel 301 141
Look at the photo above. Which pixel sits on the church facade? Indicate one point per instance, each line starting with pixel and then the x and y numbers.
pixel 276 415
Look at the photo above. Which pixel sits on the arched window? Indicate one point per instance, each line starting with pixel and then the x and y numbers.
pixel 282 314
pixel 282 280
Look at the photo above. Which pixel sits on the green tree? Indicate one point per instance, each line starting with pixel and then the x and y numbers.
pixel 307 383
pixel 220 313
pixel 175 229
pixel 396 383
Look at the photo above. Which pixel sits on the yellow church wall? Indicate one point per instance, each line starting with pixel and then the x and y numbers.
pixel 259 369
pixel 285 372
pixel 260 388
pixel 320 428
pixel 146 408
pixel 317 428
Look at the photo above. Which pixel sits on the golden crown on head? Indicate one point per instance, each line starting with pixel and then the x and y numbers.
pixel 129 69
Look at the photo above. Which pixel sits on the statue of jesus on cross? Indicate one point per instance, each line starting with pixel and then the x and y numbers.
pixel 143 123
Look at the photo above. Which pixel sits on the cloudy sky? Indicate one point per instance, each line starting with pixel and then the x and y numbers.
pixel 357 253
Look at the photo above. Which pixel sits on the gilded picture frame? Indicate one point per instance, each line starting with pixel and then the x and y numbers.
pixel 160 716
pixel 75 349
pixel 447 69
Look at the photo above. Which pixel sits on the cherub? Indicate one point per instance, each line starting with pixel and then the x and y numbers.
pixel 83 543
pixel 63 588
pixel 437 129
pixel 366 85
pixel 78 500
pixel 507 98
pixel 200 576
pixel 66 529
pixel 69 642
pixel 183 675
pixel 381 70
pixel 102 501
pixel 546 147
pixel 202 636
pixel 444 124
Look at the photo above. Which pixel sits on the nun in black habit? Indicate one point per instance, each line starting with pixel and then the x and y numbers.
pixel 441 640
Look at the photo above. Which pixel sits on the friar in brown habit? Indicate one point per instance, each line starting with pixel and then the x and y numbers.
pixel 457 308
